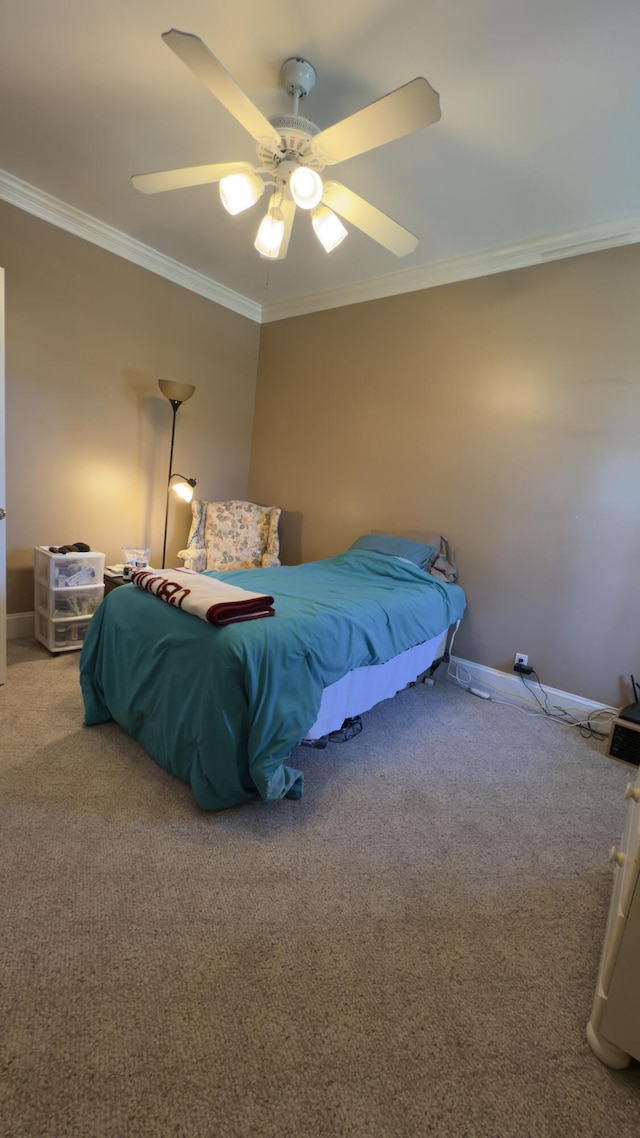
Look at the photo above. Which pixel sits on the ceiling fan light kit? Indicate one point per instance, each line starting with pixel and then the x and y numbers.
pixel 306 187
pixel 240 191
pixel 327 227
pixel 270 234
pixel 292 153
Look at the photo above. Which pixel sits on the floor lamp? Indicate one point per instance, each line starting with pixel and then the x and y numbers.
pixel 177 394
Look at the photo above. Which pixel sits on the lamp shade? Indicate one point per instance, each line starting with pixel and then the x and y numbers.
pixel 240 191
pixel 176 392
pixel 184 488
pixel 270 234
pixel 327 227
pixel 306 187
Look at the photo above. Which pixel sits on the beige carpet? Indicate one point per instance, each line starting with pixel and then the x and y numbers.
pixel 409 950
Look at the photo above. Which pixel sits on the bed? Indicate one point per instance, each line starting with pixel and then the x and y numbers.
pixel 224 708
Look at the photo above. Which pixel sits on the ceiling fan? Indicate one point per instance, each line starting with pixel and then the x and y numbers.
pixel 292 153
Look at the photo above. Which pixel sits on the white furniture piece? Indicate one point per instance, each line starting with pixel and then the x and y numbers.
pixel 614 1028
pixel 68 587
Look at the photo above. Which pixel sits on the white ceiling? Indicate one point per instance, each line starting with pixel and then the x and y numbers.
pixel 538 142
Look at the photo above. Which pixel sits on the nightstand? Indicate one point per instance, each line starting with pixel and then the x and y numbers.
pixel 113 583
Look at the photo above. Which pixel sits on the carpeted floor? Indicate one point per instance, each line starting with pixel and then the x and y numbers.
pixel 409 950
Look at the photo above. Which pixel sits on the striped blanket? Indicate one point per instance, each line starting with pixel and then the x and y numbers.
pixel 207 597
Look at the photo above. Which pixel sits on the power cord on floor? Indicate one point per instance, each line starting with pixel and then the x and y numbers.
pixel 350 728
pixel 558 714
pixel 562 715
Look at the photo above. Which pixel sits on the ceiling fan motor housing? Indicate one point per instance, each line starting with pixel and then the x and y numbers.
pixel 298 77
pixel 295 133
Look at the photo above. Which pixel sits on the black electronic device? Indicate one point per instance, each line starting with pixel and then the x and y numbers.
pixel 624 741
pixel 632 711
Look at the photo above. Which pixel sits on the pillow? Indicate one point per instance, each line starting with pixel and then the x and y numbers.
pixel 418 552
pixel 444 564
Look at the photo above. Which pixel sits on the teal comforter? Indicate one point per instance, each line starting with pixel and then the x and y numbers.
pixel 224 708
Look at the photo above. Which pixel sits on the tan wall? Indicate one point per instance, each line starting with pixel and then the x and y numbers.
pixel 88 334
pixel 504 412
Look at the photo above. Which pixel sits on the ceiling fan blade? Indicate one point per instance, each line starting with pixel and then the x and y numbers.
pixel 288 208
pixel 369 219
pixel 401 112
pixel 204 65
pixel 188 176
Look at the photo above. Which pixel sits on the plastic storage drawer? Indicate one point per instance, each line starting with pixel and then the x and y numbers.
pixel 68 570
pixel 68 587
pixel 61 603
pixel 61 635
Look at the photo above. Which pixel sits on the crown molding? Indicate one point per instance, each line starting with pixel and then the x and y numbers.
pixel 590 239
pixel 554 247
pixel 47 208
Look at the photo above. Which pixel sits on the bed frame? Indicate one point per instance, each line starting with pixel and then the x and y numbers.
pixel 363 688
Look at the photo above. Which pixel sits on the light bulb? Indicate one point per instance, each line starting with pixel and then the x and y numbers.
pixel 183 491
pixel 270 234
pixel 327 227
pixel 306 187
pixel 240 191
pixel 184 488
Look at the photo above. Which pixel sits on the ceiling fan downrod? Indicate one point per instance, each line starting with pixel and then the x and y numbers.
pixel 298 77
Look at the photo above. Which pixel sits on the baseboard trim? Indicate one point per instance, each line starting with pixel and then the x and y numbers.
pixel 20 625
pixel 510 687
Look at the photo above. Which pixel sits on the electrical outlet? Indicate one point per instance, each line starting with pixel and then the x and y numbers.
pixel 521 658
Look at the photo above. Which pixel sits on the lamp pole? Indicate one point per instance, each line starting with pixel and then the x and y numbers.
pixel 177 394
pixel 175 403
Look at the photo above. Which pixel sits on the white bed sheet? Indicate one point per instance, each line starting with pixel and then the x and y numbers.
pixel 363 688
